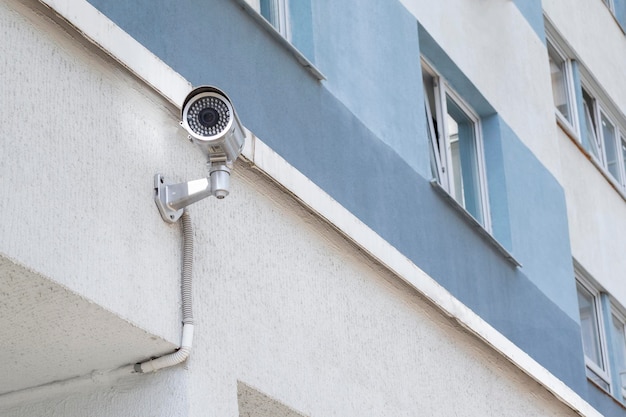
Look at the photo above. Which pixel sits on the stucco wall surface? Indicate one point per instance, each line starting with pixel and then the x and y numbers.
pixel 80 143
pixel 287 306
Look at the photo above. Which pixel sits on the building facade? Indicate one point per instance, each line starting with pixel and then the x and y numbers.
pixel 428 216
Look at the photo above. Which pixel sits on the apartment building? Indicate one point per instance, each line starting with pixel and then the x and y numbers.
pixel 427 217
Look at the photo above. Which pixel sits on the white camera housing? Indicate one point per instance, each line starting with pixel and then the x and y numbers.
pixel 210 119
pixel 212 123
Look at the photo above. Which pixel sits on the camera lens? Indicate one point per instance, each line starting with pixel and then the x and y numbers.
pixel 208 116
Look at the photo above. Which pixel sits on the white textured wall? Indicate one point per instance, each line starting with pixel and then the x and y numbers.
pixel 286 306
pixel 597 217
pixel 282 303
pixel 80 143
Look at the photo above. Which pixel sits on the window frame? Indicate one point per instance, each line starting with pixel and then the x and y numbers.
pixel 278 16
pixel 601 110
pixel 284 38
pixel 591 366
pixel 440 145
pixel 588 103
pixel 570 120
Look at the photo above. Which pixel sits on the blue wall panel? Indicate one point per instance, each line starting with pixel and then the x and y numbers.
pixel 540 235
pixel 369 52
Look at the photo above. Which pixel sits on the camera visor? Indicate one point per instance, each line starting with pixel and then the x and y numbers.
pixel 208 116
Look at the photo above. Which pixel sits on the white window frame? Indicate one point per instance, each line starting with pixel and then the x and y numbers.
pixel 280 28
pixel 442 154
pixel 601 104
pixel 601 108
pixel 591 122
pixel 278 17
pixel 568 73
pixel 596 369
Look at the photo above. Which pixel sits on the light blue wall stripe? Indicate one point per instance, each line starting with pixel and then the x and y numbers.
pixel 302 34
pixel 497 181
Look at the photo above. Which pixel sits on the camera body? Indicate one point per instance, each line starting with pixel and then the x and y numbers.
pixel 210 119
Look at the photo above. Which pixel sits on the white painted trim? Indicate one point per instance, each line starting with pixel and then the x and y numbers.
pixel 141 62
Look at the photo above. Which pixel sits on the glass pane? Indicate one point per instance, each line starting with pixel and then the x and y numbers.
pixel 610 146
pixel 559 86
pixel 275 11
pixel 619 350
pixel 269 11
pixel 431 124
pixel 590 140
pixel 589 326
pixel 624 156
pixel 463 154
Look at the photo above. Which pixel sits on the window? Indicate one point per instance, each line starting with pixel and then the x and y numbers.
pixel 604 137
pixel 590 139
pixel 560 71
pixel 586 112
pixel 277 13
pixel 592 335
pixel 290 23
pixel 457 161
pixel 623 142
pixel 619 350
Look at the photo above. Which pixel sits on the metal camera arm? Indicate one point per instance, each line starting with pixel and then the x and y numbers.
pixel 171 199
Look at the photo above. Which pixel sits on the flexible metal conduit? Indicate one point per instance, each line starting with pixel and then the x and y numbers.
pixel 183 352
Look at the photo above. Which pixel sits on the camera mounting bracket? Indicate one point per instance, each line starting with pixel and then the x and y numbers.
pixel 171 199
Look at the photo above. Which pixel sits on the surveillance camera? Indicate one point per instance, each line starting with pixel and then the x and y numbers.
pixel 210 119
